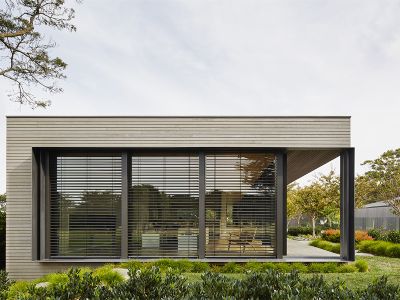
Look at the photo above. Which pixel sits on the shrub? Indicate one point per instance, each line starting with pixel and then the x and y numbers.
pixel 199 267
pixel 380 289
pixel 300 230
pixel 362 236
pixel 381 248
pixel 299 267
pixel 361 265
pixel 180 265
pixel 315 268
pixel 55 278
pixel 231 267
pixel 332 247
pixel 393 251
pixel 107 275
pixel 132 264
pixel 393 236
pixel 346 268
pixel 331 235
pixel 5 284
pixel 253 266
pixel 375 233
pixel 19 289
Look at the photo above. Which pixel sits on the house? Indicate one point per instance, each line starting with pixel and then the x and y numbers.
pixel 90 190
pixel 376 215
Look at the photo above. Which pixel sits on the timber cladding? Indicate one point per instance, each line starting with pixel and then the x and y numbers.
pixel 26 133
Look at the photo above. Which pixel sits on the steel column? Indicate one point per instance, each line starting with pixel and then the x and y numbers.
pixel 125 184
pixel 202 205
pixel 280 195
pixel 347 250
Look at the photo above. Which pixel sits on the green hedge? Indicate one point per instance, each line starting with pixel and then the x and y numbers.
pixel 152 283
pixel 380 248
pixel 392 236
pixel 332 247
pixel 300 230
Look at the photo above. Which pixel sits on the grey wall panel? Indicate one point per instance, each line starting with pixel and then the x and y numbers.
pixel 24 133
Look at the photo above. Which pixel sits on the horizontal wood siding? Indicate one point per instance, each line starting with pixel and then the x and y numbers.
pixel 24 133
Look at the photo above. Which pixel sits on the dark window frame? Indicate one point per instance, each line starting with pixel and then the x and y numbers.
pixel 40 193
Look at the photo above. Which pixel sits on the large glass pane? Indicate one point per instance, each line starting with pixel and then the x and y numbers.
pixel 85 205
pixel 240 205
pixel 163 206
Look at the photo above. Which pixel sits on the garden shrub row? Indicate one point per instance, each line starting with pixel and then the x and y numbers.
pixel 333 235
pixel 328 246
pixel 380 248
pixel 152 283
pixel 392 236
pixel 300 230
pixel 187 266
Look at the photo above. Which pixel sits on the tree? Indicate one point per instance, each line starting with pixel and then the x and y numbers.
pixel 366 190
pixel 330 187
pixel 385 173
pixel 312 202
pixel 293 209
pixel 26 61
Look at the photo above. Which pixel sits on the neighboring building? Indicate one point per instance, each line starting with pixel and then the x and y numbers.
pixel 89 190
pixel 376 215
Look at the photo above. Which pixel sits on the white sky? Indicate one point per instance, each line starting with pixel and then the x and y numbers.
pixel 233 58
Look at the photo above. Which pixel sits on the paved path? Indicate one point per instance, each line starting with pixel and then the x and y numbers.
pixel 301 249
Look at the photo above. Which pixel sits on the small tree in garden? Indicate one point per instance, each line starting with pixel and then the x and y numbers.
pixel 312 202
pixel 385 174
pixel 293 208
pixel 330 186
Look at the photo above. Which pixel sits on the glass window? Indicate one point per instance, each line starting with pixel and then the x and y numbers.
pixel 85 205
pixel 240 205
pixel 164 206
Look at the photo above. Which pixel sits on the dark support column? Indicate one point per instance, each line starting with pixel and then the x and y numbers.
pixel 347 251
pixel 202 205
pixel 35 203
pixel 280 205
pixel 44 205
pixel 284 222
pixel 126 170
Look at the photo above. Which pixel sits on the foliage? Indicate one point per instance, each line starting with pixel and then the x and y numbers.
pixel 5 284
pixel 300 230
pixel 385 174
pixel 328 246
pixel 231 267
pixel 361 265
pixel 107 275
pixel 381 248
pixel 25 51
pixel 392 236
pixel 312 201
pixel 331 235
pixel 293 210
pixel 380 289
pixel 362 236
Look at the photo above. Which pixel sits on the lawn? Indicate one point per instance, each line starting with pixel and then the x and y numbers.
pixel 378 266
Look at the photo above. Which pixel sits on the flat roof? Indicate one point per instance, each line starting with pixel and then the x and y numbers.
pixel 164 116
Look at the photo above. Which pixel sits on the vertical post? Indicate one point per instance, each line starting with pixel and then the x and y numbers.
pixel 202 205
pixel 35 204
pixel 347 251
pixel 279 205
pixel 126 175
pixel 44 207
pixel 284 222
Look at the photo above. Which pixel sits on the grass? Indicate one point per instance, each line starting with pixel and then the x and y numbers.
pixel 377 267
pixel 328 246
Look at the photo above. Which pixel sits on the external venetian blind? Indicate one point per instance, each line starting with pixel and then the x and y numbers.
pixel 85 205
pixel 240 205
pixel 163 206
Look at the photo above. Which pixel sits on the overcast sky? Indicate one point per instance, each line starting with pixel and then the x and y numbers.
pixel 232 58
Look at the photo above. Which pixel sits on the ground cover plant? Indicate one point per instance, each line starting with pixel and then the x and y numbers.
pixel 381 248
pixel 152 283
pixel 328 246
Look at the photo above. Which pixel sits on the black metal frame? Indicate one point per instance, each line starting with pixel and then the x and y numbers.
pixel 40 192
